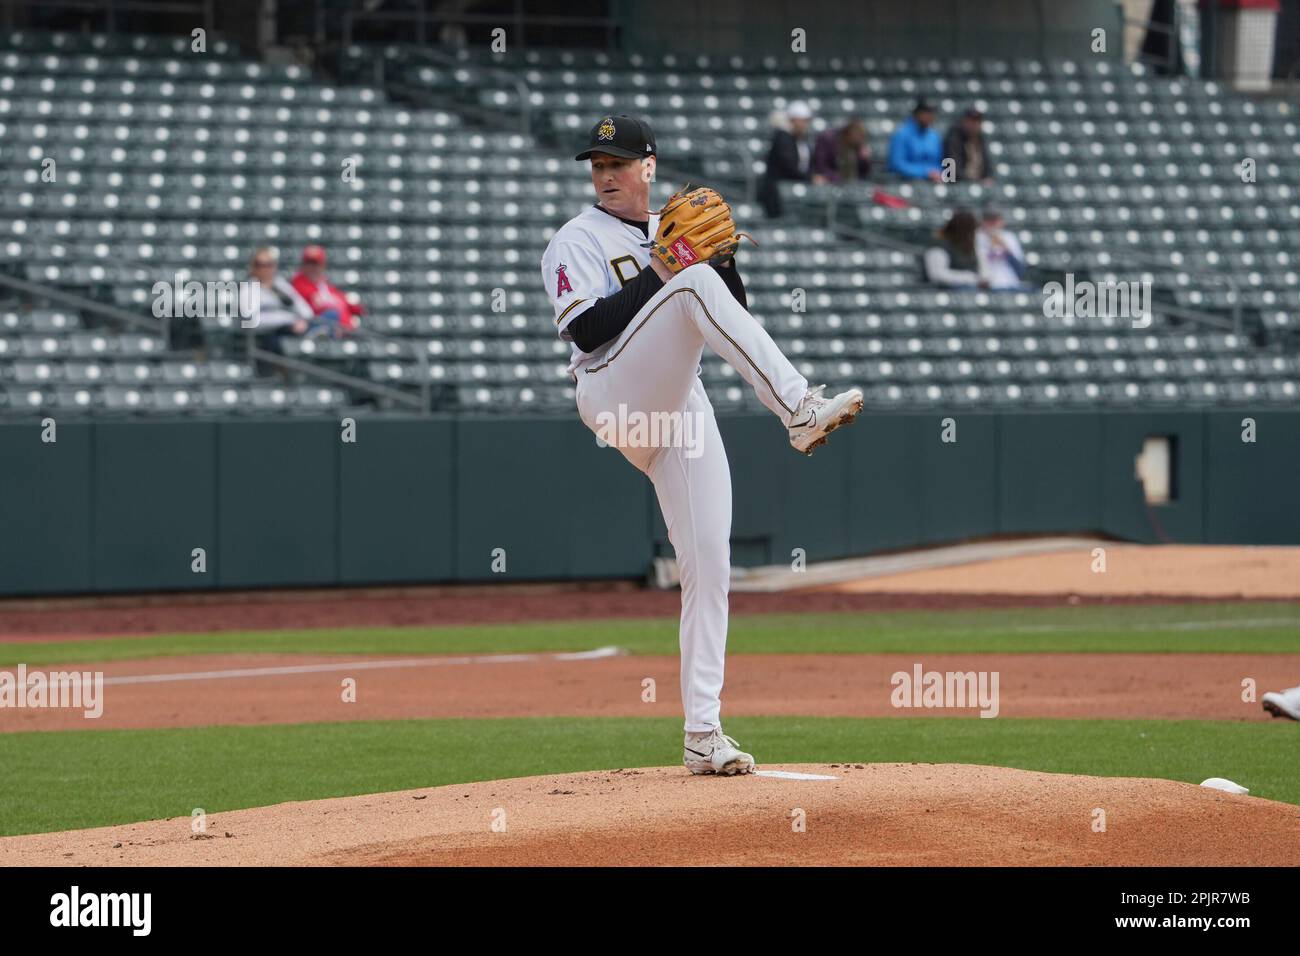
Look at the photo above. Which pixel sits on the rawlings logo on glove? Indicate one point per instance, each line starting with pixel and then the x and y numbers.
pixel 694 226
pixel 684 253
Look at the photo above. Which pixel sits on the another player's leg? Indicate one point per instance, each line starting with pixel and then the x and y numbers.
pixel 1283 703
pixel 693 485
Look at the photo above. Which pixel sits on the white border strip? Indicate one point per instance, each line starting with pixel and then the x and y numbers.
pixel 598 654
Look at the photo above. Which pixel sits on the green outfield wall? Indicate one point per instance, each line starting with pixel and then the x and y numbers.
pixel 126 506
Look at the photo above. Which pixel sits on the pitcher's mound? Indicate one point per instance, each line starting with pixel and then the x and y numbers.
pixel 873 814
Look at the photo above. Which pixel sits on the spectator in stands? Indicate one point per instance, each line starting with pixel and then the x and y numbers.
pixel 280 310
pixel 955 262
pixel 915 151
pixel 328 303
pixel 966 146
pixel 999 251
pixel 789 158
pixel 842 155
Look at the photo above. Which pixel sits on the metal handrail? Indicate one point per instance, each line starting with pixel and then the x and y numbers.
pixel 751 177
pixel 421 357
pixel 451 62
pixel 307 367
pixel 1171 31
pixel 1234 287
pixel 339 378
pixel 1195 315
pixel 420 17
pixel 54 294
pixel 163 328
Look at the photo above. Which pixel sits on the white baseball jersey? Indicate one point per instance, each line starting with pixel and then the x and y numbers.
pixel 592 256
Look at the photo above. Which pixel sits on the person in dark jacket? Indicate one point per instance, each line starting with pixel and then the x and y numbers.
pixel 842 155
pixel 789 157
pixel 966 146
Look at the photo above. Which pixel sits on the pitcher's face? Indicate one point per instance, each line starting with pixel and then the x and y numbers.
pixel 623 185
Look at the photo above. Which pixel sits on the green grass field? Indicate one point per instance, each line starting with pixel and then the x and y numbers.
pixel 71 779
pixel 1186 629
pixel 57 781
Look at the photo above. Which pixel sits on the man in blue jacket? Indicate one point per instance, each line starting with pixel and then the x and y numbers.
pixel 915 150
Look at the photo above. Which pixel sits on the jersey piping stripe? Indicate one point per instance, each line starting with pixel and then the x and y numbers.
pixel 714 323
pixel 572 305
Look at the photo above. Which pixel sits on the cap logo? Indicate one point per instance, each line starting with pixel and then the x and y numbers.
pixel 606 130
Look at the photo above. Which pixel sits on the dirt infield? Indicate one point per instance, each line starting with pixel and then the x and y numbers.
pixel 877 814
pixel 1134 574
pixel 1131 571
pixel 63 619
pixel 269 689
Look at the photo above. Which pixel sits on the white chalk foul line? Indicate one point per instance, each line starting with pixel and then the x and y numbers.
pixel 597 654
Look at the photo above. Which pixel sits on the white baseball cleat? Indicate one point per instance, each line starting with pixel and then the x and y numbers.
pixel 714 752
pixel 1284 703
pixel 817 417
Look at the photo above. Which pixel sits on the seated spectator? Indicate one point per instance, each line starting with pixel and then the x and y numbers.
pixel 954 262
pixel 789 158
pixel 915 151
pixel 279 310
pixel 999 251
pixel 842 155
pixel 966 146
pixel 328 303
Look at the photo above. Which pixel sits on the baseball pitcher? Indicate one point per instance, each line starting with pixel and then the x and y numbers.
pixel 640 295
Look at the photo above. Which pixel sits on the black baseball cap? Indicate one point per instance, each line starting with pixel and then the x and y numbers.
pixel 620 135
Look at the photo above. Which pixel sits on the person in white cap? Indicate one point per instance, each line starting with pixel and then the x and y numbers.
pixel 789 157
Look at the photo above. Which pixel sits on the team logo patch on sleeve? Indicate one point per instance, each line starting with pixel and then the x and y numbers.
pixel 562 283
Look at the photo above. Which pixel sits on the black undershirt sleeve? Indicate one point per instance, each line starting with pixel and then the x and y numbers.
pixel 731 276
pixel 607 319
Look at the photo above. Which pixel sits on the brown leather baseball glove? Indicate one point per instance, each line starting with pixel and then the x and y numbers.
pixel 694 226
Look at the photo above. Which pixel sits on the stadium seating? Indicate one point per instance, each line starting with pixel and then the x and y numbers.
pixel 172 164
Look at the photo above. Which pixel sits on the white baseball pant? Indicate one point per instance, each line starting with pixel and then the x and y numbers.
pixel 652 369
